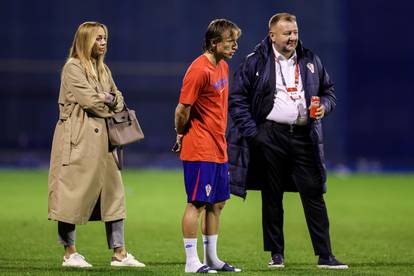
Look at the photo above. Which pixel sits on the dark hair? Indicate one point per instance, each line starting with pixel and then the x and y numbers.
pixel 281 16
pixel 215 30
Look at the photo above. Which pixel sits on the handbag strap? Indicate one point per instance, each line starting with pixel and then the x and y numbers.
pixel 125 106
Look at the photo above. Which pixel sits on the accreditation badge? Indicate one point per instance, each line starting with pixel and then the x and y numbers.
pixel 293 93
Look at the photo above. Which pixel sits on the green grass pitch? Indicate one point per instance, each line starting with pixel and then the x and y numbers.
pixel 371 216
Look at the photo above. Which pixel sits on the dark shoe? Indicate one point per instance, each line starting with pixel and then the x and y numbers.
pixel 205 269
pixel 331 263
pixel 228 268
pixel 276 261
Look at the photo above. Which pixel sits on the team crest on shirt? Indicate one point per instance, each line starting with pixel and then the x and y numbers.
pixel 208 189
pixel 311 67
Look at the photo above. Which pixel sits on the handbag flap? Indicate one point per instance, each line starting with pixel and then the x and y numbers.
pixel 121 117
pixel 123 128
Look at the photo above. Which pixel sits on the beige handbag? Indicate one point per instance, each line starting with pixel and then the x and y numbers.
pixel 123 128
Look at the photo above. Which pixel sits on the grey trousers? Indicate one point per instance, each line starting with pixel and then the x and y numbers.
pixel 114 233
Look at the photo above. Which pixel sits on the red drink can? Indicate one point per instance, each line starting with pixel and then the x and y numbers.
pixel 315 102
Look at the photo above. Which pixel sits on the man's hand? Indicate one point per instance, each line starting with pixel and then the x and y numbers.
pixel 182 114
pixel 320 112
pixel 177 145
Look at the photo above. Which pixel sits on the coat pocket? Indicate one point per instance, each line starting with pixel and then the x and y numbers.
pixel 76 133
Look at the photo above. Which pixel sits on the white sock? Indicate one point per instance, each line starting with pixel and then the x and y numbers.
pixel 192 263
pixel 210 252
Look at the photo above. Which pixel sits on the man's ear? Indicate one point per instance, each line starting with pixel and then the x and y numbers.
pixel 214 45
pixel 271 35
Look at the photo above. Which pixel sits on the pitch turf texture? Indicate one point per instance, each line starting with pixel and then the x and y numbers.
pixel 372 228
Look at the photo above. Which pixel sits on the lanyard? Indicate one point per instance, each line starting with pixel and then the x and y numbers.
pixel 293 92
pixel 290 89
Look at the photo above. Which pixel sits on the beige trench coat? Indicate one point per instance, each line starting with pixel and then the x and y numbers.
pixel 82 168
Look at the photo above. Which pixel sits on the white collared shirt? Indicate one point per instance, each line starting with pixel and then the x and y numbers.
pixel 286 110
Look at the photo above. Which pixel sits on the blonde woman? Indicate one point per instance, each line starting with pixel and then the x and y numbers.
pixel 84 181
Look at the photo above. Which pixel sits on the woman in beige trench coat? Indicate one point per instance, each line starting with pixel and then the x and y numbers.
pixel 84 180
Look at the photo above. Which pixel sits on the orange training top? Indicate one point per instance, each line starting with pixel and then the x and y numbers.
pixel 206 88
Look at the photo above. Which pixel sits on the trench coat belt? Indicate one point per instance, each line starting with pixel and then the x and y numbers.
pixel 67 130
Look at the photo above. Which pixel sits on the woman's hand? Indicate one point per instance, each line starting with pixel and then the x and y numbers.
pixel 108 99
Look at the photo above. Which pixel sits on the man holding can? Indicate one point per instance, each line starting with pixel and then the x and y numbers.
pixel 274 145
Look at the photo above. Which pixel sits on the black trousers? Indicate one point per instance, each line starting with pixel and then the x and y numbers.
pixel 288 155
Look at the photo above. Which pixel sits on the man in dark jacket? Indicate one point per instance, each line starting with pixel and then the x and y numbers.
pixel 274 145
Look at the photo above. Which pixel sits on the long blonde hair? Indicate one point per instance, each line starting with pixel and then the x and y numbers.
pixel 82 46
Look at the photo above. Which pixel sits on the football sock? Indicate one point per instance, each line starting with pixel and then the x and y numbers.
pixel 210 252
pixel 192 263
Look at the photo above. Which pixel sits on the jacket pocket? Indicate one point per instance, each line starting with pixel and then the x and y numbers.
pixel 80 142
pixel 75 134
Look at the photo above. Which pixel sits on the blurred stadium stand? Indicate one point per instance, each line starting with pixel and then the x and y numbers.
pixel 365 46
